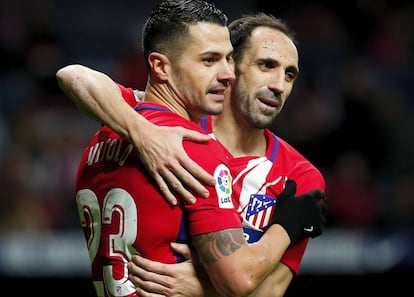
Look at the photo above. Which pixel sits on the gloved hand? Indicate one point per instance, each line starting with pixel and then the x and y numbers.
pixel 302 216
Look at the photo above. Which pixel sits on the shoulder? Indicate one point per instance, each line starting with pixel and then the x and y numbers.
pixel 130 95
pixel 298 167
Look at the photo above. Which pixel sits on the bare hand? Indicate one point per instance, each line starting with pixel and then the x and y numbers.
pixel 158 279
pixel 168 163
pixel 181 249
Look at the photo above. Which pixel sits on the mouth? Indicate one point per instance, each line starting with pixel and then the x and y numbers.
pixel 271 102
pixel 217 93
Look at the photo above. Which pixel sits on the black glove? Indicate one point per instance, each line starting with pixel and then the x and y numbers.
pixel 302 216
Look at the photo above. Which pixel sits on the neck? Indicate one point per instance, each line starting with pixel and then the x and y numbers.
pixel 161 94
pixel 238 137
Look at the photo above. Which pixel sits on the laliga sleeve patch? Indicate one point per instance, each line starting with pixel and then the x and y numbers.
pixel 223 186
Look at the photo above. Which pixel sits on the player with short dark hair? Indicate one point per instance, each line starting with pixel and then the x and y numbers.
pixel 266 66
pixel 123 213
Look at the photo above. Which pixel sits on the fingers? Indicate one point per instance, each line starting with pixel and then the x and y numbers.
pixel 142 293
pixel 194 135
pixel 317 195
pixel 147 277
pixel 194 176
pixel 141 264
pixel 162 185
pixel 186 179
pixel 192 167
pixel 182 249
pixel 175 172
pixel 290 188
pixel 171 183
pixel 324 208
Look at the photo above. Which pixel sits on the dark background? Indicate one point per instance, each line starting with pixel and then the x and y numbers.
pixel 350 113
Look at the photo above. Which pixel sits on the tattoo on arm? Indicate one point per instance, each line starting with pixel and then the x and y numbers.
pixel 215 245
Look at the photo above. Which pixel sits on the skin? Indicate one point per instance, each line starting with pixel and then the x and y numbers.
pixel 210 75
pixel 224 252
pixel 266 76
pixel 265 80
pixel 166 161
pixel 221 251
pixel 154 278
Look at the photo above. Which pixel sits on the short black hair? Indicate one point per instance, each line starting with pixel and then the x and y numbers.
pixel 166 30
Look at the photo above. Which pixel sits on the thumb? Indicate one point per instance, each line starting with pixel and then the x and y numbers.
pixel 182 249
pixel 318 195
pixel 290 189
pixel 323 207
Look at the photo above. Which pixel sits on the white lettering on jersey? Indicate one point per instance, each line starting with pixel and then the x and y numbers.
pixel 110 150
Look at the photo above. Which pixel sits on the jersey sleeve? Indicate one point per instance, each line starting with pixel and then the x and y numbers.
pixel 216 212
pixel 307 178
pixel 294 254
pixel 130 95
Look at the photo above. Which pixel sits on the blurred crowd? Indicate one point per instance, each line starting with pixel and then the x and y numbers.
pixel 351 112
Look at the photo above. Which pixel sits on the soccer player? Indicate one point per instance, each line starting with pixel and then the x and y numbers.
pixel 266 66
pixel 121 210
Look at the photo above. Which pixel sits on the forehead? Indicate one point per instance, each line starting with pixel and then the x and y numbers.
pixel 270 43
pixel 207 37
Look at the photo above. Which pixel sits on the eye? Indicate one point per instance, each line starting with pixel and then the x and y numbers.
pixel 291 75
pixel 266 65
pixel 209 61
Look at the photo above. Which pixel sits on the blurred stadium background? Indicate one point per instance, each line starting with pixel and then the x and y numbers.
pixel 351 113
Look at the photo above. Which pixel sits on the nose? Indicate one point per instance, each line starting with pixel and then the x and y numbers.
pixel 278 82
pixel 227 75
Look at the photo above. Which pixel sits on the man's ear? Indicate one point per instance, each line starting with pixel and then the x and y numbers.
pixel 159 64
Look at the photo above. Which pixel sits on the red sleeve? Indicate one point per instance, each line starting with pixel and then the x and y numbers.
pixel 216 212
pixel 128 95
pixel 293 255
pixel 307 178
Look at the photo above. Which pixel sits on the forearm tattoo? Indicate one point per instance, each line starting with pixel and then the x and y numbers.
pixel 213 246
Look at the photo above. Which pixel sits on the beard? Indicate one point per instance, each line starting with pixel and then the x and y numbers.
pixel 249 109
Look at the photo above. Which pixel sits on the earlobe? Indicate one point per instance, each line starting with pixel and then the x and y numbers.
pixel 159 65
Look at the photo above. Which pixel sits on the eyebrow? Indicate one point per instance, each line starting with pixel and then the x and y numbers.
pixel 216 54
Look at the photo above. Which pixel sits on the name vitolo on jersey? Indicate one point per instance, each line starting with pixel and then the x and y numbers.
pixel 109 150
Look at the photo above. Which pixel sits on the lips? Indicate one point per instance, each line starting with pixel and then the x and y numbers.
pixel 217 96
pixel 219 91
pixel 269 101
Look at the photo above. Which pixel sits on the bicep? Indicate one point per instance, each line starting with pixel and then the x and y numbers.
pixel 214 246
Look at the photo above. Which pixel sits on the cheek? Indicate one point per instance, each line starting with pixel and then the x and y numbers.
pixel 197 84
pixel 287 93
pixel 248 85
pixel 255 84
pixel 285 96
pixel 193 72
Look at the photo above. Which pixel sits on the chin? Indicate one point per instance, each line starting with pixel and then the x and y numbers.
pixel 216 110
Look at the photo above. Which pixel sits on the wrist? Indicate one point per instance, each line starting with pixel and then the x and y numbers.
pixel 137 128
pixel 281 233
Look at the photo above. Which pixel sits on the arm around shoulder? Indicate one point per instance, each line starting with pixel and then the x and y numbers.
pixel 160 148
pixel 100 98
